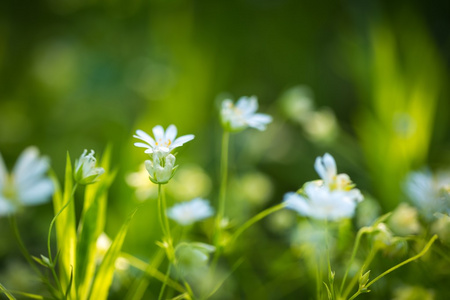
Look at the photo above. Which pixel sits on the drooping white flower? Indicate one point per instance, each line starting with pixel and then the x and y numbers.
pixel 165 141
pixel 243 114
pixel 189 212
pixel 85 170
pixel 429 192
pixel 320 203
pixel 27 184
pixel 161 168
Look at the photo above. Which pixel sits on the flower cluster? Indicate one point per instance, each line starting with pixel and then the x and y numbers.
pixel 331 198
pixel 27 183
pixel 242 115
pixel 161 166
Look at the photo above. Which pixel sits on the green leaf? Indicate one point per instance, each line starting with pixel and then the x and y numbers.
pixel 6 292
pixel 91 226
pixel 65 225
pixel 104 276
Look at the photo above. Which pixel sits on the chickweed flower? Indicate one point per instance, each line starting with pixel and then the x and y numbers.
pixel 242 115
pixel 161 168
pixel 85 170
pixel 429 192
pixel 189 212
pixel 332 198
pixel 164 141
pixel 27 184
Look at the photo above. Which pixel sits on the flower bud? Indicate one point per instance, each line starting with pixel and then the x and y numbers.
pixel 85 170
pixel 161 168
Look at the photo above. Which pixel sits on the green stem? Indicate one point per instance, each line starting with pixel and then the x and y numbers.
pixel 161 211
pixel 255 219
pixel 360 233
pixel 223 188
pixel 366 264
pixel 420 254
pixel 330 275
pixel 161 293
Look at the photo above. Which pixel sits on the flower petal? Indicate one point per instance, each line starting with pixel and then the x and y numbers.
pixel 25 162
pixel 158 133
pixel 181 140
pixel 259 121
pixel 6 207
pixel 171 133
pixel 3 173
pixel 142 145
pixel 142 135
pixel 248 105
pixel 297 203
pixel 37 193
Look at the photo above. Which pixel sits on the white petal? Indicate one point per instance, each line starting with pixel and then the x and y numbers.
pixel 158 133
pixel 181 140
pixel 297 203
pixel 330 165
pixel 248 105
pixel 37 193
pixel 3 173
pixel 25 162
pixel 142 145
pixel 35 172
pixel 6 207
pixel 171 133
pixel 149 151
pixel 142 135
pixel 259 121
pixel 320 169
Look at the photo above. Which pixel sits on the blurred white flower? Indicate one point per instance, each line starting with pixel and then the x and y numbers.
pixel 27 184
pixel 161 168
pixel 191 181
pixel 165 141
pixel 429 192
pixel 297 103
pixel 243 114
pixel 189 212
pixel 85 170
pixel 144 188
pixel 320 203
pixel 332 198
pixel 321 125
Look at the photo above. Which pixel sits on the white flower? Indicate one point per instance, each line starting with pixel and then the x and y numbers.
pixel 243 114
pixel 161 168
pixel 163 141
pixel 85 170
pixel 27 184
pixel 320 203
pixel 332 198
pixel 189 212
pixel 429 192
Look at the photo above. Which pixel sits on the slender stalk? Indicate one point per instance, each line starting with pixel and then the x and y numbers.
pixel 161 211
pixel 223 188
pixel 255 219
pixel 330 274
pixel 360 233
pixel 420 254
pixel 161 293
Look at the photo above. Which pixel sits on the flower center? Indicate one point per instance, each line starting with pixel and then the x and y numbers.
pixel 164 143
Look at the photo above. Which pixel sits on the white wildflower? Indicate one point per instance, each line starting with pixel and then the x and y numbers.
pixel 164 141
pixel 429 192
pixel 27 183
pixel 161 168
pixel 85 170
pixel 243 114
pixel 189 212
pixel 320 203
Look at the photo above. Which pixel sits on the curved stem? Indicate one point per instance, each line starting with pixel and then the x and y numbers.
pixel 255 219
pixel 161 293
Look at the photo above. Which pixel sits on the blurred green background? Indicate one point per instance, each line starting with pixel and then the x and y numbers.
pixel 78 74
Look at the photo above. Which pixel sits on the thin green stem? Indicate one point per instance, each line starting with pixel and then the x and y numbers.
pixel 422 253
pixel 223 188
pixel 161 293
pixel 161 211
pixel 330 274
pixel 360 233
pixel 255 219
pixel 366 264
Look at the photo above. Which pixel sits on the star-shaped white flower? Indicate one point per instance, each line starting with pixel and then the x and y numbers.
pixel 243 114
pixel 189 212
pixel 27 184
pixel 165 141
